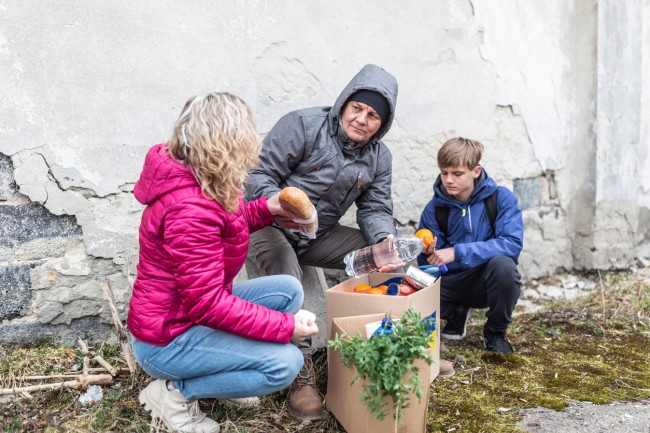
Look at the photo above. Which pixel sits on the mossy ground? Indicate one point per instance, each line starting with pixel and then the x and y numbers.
pixel 594 349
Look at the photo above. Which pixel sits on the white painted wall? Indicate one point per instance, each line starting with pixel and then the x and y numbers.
pixel 87 88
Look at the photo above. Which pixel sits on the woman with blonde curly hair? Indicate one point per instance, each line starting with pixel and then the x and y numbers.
pixel 198 334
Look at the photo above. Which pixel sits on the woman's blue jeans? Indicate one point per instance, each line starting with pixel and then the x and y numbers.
pixel 206 363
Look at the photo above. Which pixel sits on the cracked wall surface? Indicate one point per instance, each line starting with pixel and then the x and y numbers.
pixel 553 90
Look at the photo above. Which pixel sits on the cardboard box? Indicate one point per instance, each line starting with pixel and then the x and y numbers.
pixel 343 397
pixel 341 303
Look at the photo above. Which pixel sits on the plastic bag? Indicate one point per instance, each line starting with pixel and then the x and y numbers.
pixel 93 393
pixel 309 226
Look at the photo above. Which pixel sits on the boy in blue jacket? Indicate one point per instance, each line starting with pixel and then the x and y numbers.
pixel 479 230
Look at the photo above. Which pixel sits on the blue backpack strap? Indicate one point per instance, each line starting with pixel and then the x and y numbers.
pixel 442 217
pixel 491 208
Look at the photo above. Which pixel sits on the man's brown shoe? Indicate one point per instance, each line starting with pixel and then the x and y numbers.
pixel 446 369
pixel 304 401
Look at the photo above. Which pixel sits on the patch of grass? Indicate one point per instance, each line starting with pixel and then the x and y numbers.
pixel 592 349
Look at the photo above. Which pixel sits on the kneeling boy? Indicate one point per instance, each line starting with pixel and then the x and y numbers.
pixel 479 230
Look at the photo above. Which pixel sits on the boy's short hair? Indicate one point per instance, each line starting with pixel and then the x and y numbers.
pixel 460 151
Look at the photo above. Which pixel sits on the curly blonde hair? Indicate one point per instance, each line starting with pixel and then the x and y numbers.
pixel 215 135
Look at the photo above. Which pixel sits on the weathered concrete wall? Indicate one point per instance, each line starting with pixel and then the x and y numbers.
pixel 621 156
pixel 643 233
pixel 552 89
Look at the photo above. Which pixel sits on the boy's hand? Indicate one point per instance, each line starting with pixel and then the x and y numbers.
pixel 431 248
pixel 443 256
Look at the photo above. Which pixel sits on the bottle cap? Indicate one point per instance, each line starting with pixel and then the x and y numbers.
pixel 392 289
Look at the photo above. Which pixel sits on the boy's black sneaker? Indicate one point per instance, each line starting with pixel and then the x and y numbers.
pixel 456 326
pixel 497 342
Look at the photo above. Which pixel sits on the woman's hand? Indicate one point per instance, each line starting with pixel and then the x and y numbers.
pixel 284 218
pixel 273 203
pixel 303 328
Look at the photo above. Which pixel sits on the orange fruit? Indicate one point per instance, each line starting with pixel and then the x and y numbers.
pixel 426 235
pixel 362 288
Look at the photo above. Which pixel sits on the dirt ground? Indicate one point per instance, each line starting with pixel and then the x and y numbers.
pixel 581 417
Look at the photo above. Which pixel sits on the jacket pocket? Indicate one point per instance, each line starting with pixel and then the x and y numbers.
pixel 314 162
pixel 359 185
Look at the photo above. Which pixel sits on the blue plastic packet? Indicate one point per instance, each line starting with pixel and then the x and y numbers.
pixel 435 270
pixel 386 328
pixel 430 324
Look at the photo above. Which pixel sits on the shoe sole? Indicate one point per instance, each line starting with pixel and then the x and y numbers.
pixel 306 416
pixel 453 336
pixel 229 403
pixel 456 336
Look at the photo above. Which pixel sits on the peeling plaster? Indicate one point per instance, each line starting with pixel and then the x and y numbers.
pixel 280 77
pixel 31 174
pixel 110 225
pixel 36 181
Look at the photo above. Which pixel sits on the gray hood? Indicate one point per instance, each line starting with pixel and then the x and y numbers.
pixel 370 77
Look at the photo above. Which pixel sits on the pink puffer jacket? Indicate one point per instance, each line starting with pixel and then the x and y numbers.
pixel 190 250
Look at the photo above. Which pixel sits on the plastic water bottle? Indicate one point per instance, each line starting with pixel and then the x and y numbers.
pixel 393 251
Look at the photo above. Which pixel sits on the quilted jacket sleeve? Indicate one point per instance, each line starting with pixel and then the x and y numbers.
pixel 193 241
pixel 257 214
pixel 284 148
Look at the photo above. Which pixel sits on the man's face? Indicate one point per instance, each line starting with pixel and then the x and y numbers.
pixel 360 121
pixel 459 181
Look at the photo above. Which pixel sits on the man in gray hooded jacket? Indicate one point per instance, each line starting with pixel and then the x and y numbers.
pixel 336 156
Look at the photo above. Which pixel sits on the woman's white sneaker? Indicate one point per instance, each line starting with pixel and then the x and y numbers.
pixel 175 411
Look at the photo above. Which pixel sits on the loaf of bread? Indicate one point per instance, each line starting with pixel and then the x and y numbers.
pixel 296 201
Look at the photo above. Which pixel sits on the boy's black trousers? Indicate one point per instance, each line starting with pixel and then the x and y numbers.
pixel 495 285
